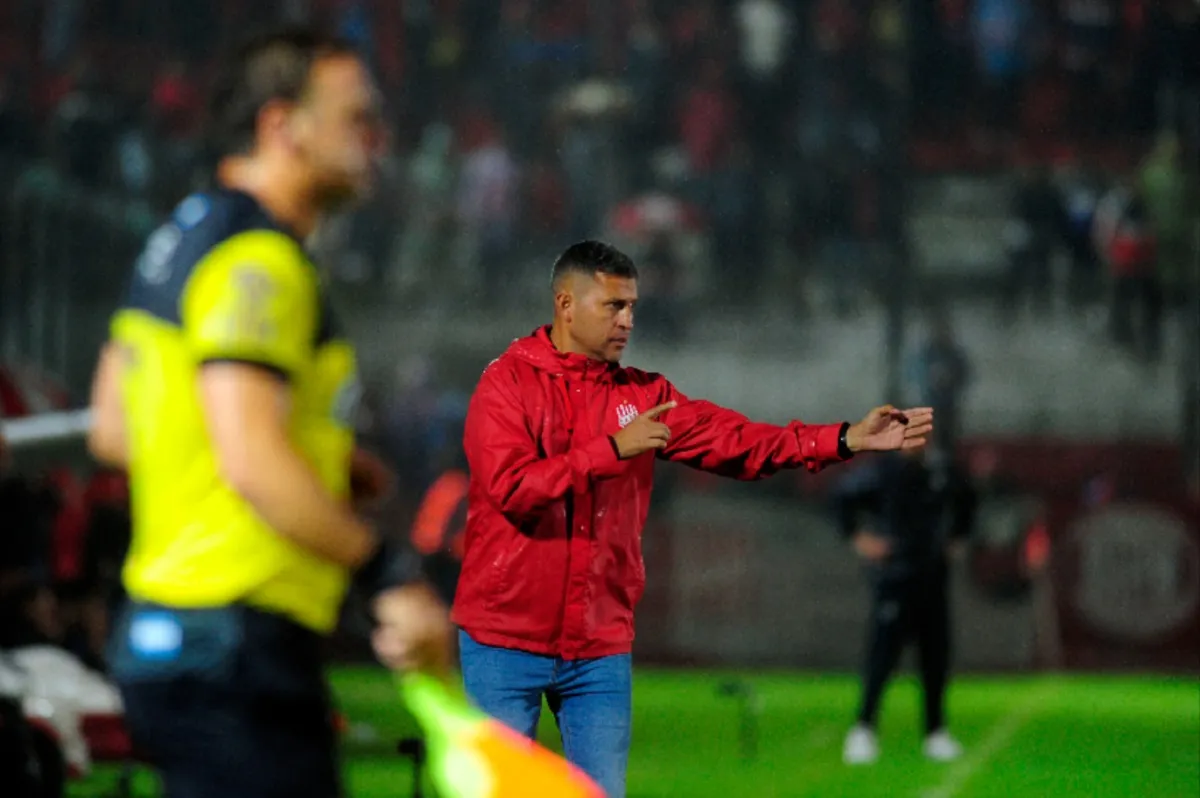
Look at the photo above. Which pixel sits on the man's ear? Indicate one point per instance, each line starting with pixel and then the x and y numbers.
pixel 564 301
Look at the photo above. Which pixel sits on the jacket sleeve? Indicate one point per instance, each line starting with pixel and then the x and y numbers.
pixel 505 459
pixel 712 438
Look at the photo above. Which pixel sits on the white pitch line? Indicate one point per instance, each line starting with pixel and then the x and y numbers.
pixel 998 737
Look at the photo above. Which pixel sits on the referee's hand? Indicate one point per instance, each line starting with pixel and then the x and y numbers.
pixel 414 631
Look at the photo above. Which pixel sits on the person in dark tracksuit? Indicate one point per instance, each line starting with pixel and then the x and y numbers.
pixel 903 512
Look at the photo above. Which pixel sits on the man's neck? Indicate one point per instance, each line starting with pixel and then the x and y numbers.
pixel 282 195
pixel 564 343
pixel 560 339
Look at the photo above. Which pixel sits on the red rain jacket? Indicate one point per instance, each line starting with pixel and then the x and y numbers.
pixel 553 556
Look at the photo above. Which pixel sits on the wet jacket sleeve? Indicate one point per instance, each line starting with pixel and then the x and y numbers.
pixel 505 458
pixel 712 438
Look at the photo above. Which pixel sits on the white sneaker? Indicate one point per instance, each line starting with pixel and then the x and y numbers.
pixel 941 747
pixel 861 748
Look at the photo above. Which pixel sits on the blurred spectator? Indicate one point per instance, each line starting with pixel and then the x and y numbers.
pixel 646 73
pixel 905 515
pixel 1080 189
pixel 660 313
pixel 515 72
pixel 766 30
pixel 833 202
pixel 176 99
pixel 592 114
pixel 694 36
pixel 374 225
pixel 429 203
pixel 488 195
pixel 419 97
pixel 942 53
pixel 547 201
pixel 441 520
pixel 1003 33
pixel 1176 25
pixel 939 373
pixel 580 150
pixel 707 127
pixel 85 127
pixel 137 150
pixel 1090 39
pixel 1030 237
pixel 1009 539
pixel 739 227
pixel 420 419
pixel 1125 238
pixel 1172 209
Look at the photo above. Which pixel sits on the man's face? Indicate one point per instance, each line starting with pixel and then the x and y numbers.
pixel 338 129
pixel 598 312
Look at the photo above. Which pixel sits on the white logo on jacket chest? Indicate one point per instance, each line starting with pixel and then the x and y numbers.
pixel 626 413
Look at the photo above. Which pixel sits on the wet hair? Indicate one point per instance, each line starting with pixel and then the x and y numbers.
pixel 592 257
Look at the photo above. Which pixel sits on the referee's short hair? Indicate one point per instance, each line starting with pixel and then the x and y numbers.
pixel 266 68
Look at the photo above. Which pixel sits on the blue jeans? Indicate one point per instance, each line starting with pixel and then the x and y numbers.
pixel 592 701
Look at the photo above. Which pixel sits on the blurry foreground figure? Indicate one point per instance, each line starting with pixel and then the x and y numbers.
pixel 228 392
pixel 474 756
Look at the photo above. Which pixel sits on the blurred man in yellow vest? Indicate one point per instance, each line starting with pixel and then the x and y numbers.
pixel 228 392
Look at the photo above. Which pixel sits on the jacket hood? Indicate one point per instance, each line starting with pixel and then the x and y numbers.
pixel 538 351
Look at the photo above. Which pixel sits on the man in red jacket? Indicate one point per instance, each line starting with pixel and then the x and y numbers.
pixel 561 441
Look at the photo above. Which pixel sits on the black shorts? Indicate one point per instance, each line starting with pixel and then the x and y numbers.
pixel 227 703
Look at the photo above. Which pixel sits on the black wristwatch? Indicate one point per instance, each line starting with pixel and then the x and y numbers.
pixel 843 447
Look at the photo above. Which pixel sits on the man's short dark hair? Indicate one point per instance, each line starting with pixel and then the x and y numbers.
pixel 593 257
pixel 268 67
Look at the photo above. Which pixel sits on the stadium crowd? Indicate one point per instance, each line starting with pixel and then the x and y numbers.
pixel 522 123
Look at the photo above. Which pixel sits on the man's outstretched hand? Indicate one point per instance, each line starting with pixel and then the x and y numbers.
pixel 886 429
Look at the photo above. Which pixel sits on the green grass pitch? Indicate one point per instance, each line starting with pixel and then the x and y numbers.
pixel 1055 736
